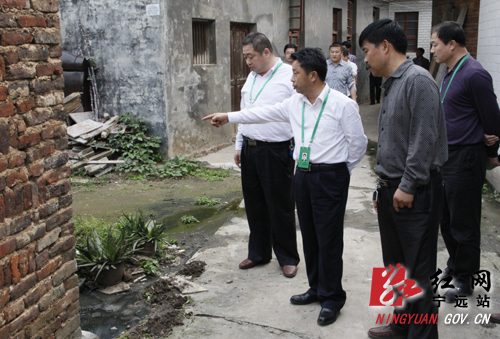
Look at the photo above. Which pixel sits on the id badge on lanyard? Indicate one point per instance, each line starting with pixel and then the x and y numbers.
pixel 304 154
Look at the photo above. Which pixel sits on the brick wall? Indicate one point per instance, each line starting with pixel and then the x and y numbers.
pixel 471 22
pixel 38 284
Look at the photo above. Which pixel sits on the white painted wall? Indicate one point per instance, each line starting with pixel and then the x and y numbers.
pixel 488 50
pixel 424 9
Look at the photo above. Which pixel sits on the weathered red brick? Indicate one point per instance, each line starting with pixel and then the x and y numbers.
pixel 15 178
pixel 21 126
pixel 21 71
pixel 10 203
pixel 27 196
pixel 50 177
pixel 62 245
pixel 13 134
pixel 16 159
pixel 2 181
pixel 25 319
pixel 40 322
pixel 37 116
pixel 14 268
pixel 55 51
pixel 23 286
pixel 47 6
pixel 30 138
pixel 7 276
pixel 32 21
pixel 2 69
pixel 2 208
pixel 69 255
pixel 50 36
pixel 20 4
pixel 3 93
pixel 20 223
pixel 5 296
pixel 4 162
pixel 36 169
pixel 7 110
pixel 65 201
pixel 40 151
pixel 5 332
pixel 70 297
pixel 71 282
pixel 62 143
pixel 7 247
pixel 59 218
pixel 42 259
pixel 37 293
pixel 47 85
pixel 13 310
pixel 33 53
pixel 4 139
pixel 11 57
pixel 56 161
pixel 44 69
pixel 52 20
pixel 26 106
pixel 31 258
pixel 16 38
pixel 7 20
pixel 23 263
pixel 48 269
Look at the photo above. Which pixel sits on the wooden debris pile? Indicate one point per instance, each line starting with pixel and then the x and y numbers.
pixel 87 147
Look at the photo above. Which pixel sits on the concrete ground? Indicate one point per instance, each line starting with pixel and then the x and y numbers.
pixel 255 303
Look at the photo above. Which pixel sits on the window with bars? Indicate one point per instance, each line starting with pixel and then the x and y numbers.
pixel 409 22
pixel 350 19
pixel 295 11
pixel 203 42
pixel 336 24
pixel 376 13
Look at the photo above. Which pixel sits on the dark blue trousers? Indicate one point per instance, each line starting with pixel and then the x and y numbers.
pixel 463 175
pixel 321 200
pixel 409 237
pixel 266 178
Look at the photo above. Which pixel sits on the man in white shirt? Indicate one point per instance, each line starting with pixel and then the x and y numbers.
pixel 263 152
pixel 330 143
pixel 354 67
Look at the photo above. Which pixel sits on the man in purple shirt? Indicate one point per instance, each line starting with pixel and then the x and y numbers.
pixel 471 112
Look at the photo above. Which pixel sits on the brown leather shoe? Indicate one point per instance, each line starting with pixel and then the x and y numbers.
pixel 289 271
pixel 247 263
pixel 495 318
pixel 384 332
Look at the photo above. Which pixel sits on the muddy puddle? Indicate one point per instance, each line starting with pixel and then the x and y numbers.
pixel 166 201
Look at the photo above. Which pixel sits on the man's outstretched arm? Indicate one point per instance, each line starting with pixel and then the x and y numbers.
pixel 217 119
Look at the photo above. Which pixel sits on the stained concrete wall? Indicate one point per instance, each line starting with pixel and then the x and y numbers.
pixel 128 46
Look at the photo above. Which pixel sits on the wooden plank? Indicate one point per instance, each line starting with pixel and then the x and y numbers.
pixel 107 170
pixel 80 116
pixel 85 162
pixel 102 162
pixel 107 125
pixel 83 127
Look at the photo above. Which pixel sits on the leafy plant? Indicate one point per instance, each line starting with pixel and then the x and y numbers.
pixel 213 174
pixel 189 219
pixel 141 230
pixel 85 227
pixel 139 150
pixel 151 267
pixel 207 201
pixel 103 252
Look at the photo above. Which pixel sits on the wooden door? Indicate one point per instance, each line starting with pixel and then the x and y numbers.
pixel 239 68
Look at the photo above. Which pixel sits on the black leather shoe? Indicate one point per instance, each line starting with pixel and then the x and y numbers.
pixel 303 299
pixel 452 294
pixel 327 316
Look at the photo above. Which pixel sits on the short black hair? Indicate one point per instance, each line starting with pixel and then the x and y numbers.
pixel 421 50
pixel 259 42
pixel 312 59
pixel 448 31
pixel 335 44
pixel 345 52
pixel 287 46
pixel 385 29
pixel 347 44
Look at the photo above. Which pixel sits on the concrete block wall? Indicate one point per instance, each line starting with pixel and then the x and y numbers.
pixel 488 49
pixel 38 284
pixel 424 9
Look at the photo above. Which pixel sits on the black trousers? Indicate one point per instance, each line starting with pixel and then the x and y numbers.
pixel 266 178
pixel 321 201
pixel 375 90
pixel 409 237
pixel 463 175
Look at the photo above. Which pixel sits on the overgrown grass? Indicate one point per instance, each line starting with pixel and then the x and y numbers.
pixel 206 201
pixel 85 227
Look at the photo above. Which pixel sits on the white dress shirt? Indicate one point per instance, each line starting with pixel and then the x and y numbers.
pixel 277 89
pixel 339 137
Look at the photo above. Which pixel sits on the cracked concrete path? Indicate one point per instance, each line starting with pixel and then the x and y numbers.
pixel 254 303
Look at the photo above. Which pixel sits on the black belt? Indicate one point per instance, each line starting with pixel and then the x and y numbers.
pixel 391 183
pixel 323 167
pixel 252 142
pixel 456 146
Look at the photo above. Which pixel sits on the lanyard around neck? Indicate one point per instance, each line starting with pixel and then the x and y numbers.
pixel 456 70
pixel 317 121
pixel 255 77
